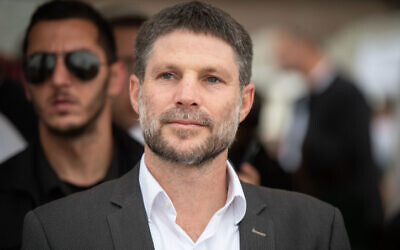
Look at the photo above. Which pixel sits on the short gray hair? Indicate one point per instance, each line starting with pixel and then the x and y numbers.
pixel 199 18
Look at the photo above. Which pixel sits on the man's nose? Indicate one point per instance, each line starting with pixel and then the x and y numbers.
pixel 61 77
pixel 188 92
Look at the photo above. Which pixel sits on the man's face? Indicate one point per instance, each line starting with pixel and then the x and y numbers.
pixel 66 104
pixel 125 41
pixel 190 103
pixel 289 51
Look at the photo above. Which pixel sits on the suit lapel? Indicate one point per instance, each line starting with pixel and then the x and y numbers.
pixel 128 225
pixel 256 229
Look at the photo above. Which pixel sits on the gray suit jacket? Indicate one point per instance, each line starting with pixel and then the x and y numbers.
pixel 112 216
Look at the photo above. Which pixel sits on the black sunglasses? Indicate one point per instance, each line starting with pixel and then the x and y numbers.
pixel 81 63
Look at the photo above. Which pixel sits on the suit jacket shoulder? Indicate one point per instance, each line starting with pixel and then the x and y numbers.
pixel 108 216
pixel 112 216
pixel 278 219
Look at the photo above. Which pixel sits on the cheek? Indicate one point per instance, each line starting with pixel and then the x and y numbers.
pixel 93 98
pixel 231 112
pixel 39 95
pixel 155 101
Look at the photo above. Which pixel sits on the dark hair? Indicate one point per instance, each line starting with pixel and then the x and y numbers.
pixel 59 10
pixel 199 18
pixel 127 21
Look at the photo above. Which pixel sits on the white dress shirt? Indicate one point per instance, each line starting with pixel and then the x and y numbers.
pixel 221 232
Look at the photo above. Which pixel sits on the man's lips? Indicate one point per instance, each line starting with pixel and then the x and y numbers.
pixel 62 103
pixel 186 122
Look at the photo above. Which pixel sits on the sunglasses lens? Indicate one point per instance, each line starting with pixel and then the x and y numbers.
pixel 83 64
pixel 38 67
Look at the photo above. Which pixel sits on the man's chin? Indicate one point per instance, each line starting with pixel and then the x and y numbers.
pixel 68 131
pixel 187 152
pixel 187 158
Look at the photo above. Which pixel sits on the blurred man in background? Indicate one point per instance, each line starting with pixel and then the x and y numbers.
pixel 250 157
pixel 18 122
pixel 71 76
pixel 125 21
pixel 328 145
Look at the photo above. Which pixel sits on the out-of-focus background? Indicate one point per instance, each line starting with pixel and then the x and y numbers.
pixel 362 37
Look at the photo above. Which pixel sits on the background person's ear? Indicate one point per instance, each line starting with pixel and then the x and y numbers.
pixel 27 92
pixel 118 74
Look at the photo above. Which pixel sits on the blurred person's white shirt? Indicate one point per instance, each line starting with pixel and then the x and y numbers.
pixel 11 141
pixel 136 133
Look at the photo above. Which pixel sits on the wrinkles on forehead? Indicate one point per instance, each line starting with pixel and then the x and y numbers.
pixel 180 42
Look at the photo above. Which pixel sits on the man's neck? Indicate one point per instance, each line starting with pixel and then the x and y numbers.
pixel 82 160
pixel 197 192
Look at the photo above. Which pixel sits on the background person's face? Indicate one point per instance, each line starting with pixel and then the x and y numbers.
pixel 63 102
pixel 189 102
pixel 125 41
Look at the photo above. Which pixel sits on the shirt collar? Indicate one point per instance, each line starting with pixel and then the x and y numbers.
pixel 151 189
pixel 235 194
pixel 149 186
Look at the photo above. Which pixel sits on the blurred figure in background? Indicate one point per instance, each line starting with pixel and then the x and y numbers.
pixel 18 122
pixel 11 141
pixel 125 21
pixel 249 156
pixel 71 76
pixel 328 145
pixel 391 234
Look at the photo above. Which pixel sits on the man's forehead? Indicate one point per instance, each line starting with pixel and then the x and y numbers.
pixel 62 34
pixel 191 42
pixel 182 31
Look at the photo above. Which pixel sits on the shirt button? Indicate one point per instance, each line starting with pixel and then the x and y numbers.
pixel 167 205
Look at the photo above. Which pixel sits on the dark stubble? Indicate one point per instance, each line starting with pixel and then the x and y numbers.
pixel 94 110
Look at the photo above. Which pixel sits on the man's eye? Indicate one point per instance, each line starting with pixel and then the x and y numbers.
pixel 213 79
pixel 166 76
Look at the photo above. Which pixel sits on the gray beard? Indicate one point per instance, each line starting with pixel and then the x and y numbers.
pixel 222 135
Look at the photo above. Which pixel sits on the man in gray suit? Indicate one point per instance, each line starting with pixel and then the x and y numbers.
pixel 191 89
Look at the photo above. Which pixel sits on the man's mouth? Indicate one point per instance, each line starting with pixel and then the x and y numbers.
pixel 186 122
pixel 62 103
pixel 185 119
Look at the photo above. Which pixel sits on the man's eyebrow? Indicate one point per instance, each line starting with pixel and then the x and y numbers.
pixel 158 68
pixel 224 73
pixel 220 71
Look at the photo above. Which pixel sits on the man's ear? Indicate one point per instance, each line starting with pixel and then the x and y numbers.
pixel 134 86
pixel 118 75
pixel 247 100
pixel 27 92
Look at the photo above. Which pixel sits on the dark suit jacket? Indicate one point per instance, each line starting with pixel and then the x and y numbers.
pixel 337 162
pixel 20 186
pixel 112 216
